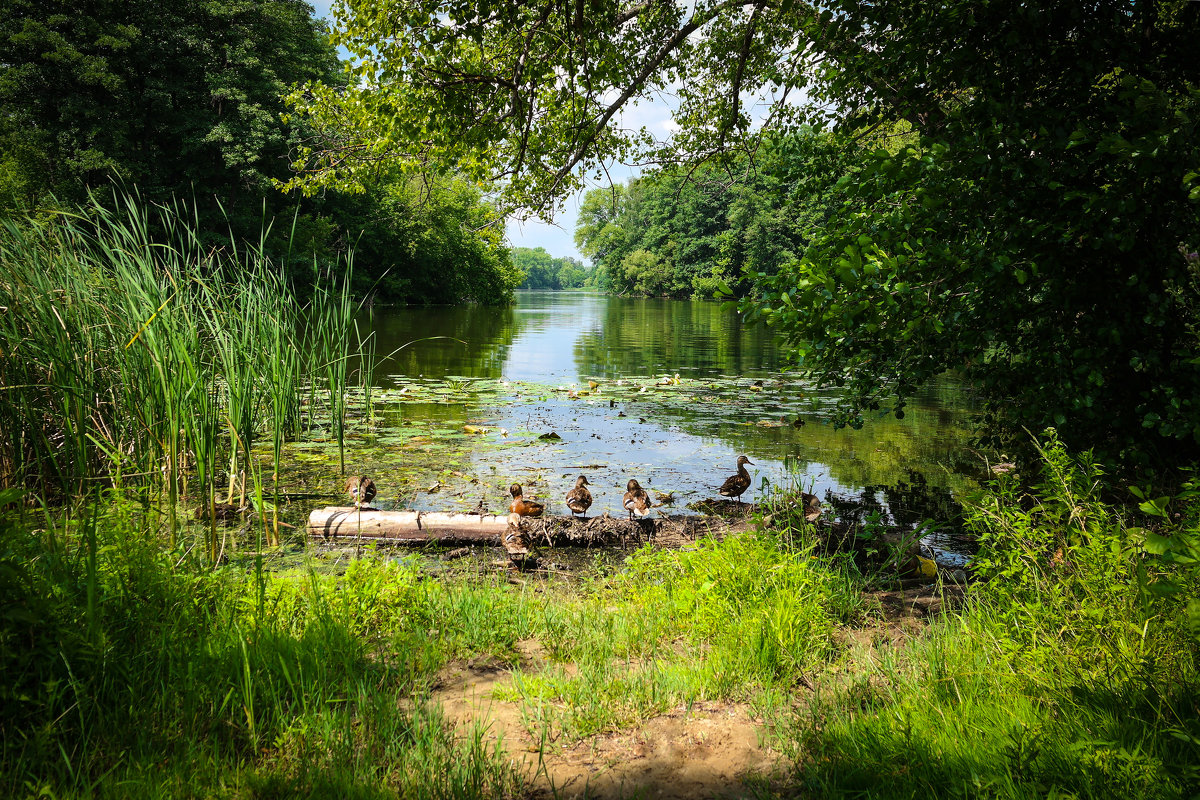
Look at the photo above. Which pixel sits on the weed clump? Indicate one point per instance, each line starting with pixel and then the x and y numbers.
pixel 1062 674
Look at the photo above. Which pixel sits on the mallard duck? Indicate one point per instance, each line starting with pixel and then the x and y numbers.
pixel 734 485
pixel 361 490
pixel 515 540
pixel 636 501
pixel 579 498
pixel 521 506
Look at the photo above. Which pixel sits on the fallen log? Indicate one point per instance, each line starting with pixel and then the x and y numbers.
pixel 455 530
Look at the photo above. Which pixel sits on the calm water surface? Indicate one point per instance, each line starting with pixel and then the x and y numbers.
pixel 550 342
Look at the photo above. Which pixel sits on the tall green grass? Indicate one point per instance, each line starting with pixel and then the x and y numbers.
pixel 133 353
pixel 130 673
pixel 1064 675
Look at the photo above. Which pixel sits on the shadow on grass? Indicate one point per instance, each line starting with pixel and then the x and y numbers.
pixel 1072 742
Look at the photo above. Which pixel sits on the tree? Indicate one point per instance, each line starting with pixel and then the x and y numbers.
pixel 422 242
pixel 178 97
pixel 525 94
pixel 1027 235
pixel 182 99
pixel 708 226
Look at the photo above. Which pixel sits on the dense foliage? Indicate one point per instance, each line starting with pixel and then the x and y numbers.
pixel 701 232
pixel 422 242
pixel 1030 237
pixel 544 271
pixel 184 99
pixel 178 96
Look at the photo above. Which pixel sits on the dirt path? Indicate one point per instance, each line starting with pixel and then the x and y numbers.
pixel 708 750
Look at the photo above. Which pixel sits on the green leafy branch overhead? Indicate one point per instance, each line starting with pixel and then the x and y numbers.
pixel 528 96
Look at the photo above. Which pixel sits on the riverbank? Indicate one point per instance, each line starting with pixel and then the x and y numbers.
pixel 751 666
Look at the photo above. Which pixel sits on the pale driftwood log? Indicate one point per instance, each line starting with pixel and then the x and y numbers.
pixel 406 526
pixel 454 530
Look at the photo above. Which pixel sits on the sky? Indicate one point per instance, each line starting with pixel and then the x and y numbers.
pixel 559 238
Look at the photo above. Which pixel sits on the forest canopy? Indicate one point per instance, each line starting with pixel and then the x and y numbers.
pixel 703 231
pixel 181 101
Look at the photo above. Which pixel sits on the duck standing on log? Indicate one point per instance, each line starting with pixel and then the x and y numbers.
pixel 636 501
pixel 734 485
pixel 579 498
pixel 361 490
pixel 522 506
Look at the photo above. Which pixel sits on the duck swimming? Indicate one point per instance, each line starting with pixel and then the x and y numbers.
pixel 579 498
pixel 636 501
pixel 522 506
pixel 734 485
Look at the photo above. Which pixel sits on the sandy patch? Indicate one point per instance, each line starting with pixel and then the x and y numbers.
pixel 708 750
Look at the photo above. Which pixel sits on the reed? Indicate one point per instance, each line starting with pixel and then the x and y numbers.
pixel 131 350
pixel 327 345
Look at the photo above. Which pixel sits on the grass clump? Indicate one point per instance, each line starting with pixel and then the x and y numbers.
pixel 725 621
pixel 1061 676
pixel 132 672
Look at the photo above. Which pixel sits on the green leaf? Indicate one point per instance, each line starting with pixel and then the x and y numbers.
pixel 1157 544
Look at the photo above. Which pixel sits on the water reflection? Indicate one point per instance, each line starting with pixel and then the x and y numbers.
pixel 642 336
pixel 679 443
pixel 476 344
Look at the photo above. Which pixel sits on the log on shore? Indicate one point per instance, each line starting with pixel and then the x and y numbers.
pixel 455 530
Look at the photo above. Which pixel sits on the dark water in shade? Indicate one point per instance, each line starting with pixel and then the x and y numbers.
pixel 903 470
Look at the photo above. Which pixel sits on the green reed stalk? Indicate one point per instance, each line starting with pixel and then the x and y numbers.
pixel 128 345
pixel 330 321
pixel 367 363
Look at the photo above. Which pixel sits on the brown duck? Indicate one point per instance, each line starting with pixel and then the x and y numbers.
pixel 812 506
pixel 515 540
pixel 522 506
pixel 734 485
pixel 361 490
pixel 579 498
pixel 636 501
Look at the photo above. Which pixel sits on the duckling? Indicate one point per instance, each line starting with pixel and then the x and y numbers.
pixel 734 485
pixel 522 506
pixel 361 490
pixel 579 498
pixel 636 501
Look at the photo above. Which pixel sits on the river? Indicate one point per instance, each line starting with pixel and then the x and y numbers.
pixel 669 392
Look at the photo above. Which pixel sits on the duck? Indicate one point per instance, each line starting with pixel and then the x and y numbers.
pixel 812 506
pixel 636 501
pixel 515 540
pixel 734 485
pixel 522 506
pixel 579 498
pixel 361 490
